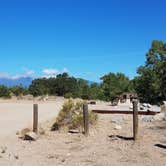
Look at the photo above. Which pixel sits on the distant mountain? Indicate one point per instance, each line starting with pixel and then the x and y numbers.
pixel 24 81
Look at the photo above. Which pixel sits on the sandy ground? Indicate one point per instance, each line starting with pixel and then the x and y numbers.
pixel 16 115
pixel 105 145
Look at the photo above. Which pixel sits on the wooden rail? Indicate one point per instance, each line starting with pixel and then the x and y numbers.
pixel 124 112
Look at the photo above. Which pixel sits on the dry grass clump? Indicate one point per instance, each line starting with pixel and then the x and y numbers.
pixel 163 108
pixel 71 116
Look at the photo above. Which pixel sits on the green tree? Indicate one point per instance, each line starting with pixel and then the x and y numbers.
pixel 19 90
pixel 151 80
pixel 39 87
pixel 4 92
pixel 86 94
pixel 61 85
pixel 96 92
pixel 114 84
pixel 83 88
pixel 65 84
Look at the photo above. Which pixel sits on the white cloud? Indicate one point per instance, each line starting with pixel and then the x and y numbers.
pixel 27 73
pixel 47 72
pixel 4 75
pixel 30 72
pixel 50 72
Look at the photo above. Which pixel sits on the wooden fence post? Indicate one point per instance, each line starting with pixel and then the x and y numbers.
pixel 135 119
pixel 35 118
pixel 86 119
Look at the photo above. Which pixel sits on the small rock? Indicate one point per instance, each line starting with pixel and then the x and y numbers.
pixel 141 108
pixel 31 136
pixel 52 156
pixel 147 119
pixel 63 160
pixel 144 104
pixel 23 133
pixel 149 106
pixel 16 156
pixel 68 142
pixel 3 149
pixel 117 127
pixel 131 107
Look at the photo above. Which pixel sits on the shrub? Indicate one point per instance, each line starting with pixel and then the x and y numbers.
pixel 71 116
pixel 4 92
pixel 68 95
pixel 19 90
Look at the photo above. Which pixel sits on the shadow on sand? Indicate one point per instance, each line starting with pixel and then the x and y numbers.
pixel 122 137
pixel 160 146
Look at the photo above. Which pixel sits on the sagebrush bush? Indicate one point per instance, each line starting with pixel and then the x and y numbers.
pixel 71 116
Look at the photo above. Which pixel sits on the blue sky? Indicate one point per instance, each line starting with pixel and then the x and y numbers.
pixel 87 38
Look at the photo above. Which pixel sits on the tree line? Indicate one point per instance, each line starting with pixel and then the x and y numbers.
pixel 149 84
pixel 71 87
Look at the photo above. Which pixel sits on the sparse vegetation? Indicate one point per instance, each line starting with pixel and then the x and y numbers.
pixel 4 92
pixel 71 116
pixel 19 90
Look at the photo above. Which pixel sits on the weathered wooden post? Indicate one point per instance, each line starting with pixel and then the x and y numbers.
pixel 35 118
pixel 135 119
pixel 86 119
